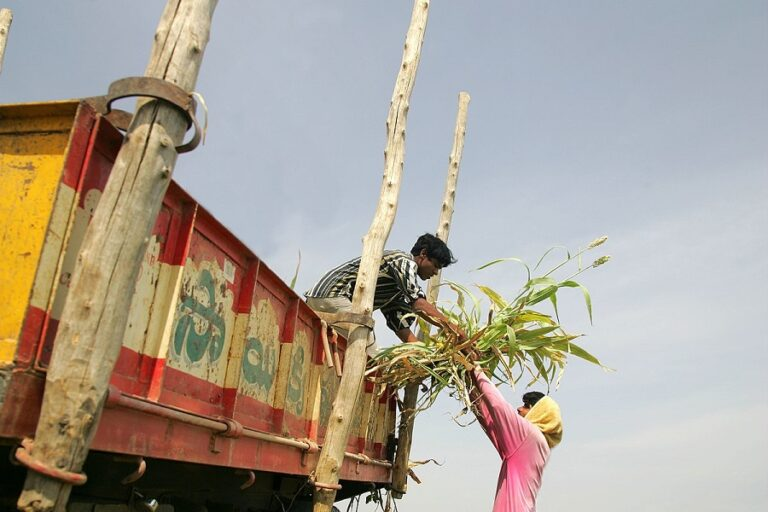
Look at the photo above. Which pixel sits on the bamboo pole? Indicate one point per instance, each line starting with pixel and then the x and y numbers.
pixel 405 429
pixel 94 318
pixel 332 455
pixel 6 18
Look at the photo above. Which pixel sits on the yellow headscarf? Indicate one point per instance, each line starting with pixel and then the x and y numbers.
pixel 546 415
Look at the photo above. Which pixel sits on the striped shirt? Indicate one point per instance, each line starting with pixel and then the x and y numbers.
pixel 396 286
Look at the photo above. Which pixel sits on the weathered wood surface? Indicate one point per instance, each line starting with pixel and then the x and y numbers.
pixel 332 455
pixel 411 393
pixel 94 317
pixel 6 18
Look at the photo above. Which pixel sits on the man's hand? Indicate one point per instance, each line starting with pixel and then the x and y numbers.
pixel 431 314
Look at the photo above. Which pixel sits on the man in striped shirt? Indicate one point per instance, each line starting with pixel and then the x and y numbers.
pixel 398 294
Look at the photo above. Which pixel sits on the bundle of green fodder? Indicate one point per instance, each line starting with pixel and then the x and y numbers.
pixel 509 338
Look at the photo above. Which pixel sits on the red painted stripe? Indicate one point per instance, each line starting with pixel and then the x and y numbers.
pixel 278 415
pixel 128 363
pixel 312 429
pixel 146 368
pixel 29 337
pixel 191 393
pixel 247 288
pixel 288 330
pixel 181 228
pixel 295 426
pixel 103 146
pixel 251 412
pixel 156 380
pixel 79 144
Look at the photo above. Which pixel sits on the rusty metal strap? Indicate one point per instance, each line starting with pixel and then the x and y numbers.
pixel 23 455
pixel 346 317
pixel 326 487
pixel 156 88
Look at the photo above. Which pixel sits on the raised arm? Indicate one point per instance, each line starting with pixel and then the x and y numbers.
pixel 508 426
pixel 482 413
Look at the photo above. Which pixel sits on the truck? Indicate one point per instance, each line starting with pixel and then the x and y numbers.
pixel 222 393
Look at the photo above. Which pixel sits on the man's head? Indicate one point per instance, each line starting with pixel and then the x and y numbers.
pixel 431 254
pixel 529 400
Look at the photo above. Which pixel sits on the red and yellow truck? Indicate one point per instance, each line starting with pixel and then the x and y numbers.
pixel 222 392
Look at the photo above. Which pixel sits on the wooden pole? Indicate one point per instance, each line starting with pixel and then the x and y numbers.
pixel 6 18
pixel 93 321
pixel 332 455
pixel 405 429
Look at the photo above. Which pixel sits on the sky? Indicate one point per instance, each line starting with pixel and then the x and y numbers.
pixel 646 121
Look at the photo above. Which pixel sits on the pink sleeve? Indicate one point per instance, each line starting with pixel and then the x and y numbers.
pixel 483 416
pixel 508 426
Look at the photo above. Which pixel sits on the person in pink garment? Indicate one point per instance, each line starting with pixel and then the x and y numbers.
pixel 523 437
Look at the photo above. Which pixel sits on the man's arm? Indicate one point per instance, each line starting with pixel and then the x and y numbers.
pixel 431 314
pixel 406 335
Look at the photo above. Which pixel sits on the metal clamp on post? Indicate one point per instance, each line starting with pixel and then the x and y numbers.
pixel 323 487
pixel 23 455
pixel 312 447
pixel 156 88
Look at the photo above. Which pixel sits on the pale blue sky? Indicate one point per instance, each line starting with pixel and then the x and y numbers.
pixel 646 121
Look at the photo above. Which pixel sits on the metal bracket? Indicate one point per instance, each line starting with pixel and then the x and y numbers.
pixel 234 428
pixel 366 460
pixel 138 473
pixel 156 88
pixel 24 456
pixel 312 447
pixel 250 480
pixel 320 486
pixel 213 445
pixel 346 317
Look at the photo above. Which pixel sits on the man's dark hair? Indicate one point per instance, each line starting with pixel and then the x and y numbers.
pixel 531 397
pixel 435 249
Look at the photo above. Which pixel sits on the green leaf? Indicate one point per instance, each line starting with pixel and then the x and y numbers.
pixel 536 281
pixel 501 260
pixel 296 274
pixel 572 348
pixel 525 335
pixel 494 296
pixel 542 294
pixel 584 291
pixel 568 254
pixel 553 300
pixel 533 316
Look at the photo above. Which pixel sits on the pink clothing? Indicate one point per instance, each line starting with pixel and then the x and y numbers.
pixel 521 445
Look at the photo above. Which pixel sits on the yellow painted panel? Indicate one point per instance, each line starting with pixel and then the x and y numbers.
pixel 259 354
pixel 31 164
pixel 296 391
pixel 143 302
pixel 203 323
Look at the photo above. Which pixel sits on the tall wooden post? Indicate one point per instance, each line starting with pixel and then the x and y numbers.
pixel 332 455
pixel 93 321
pixel 405 429
pixel 6 18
